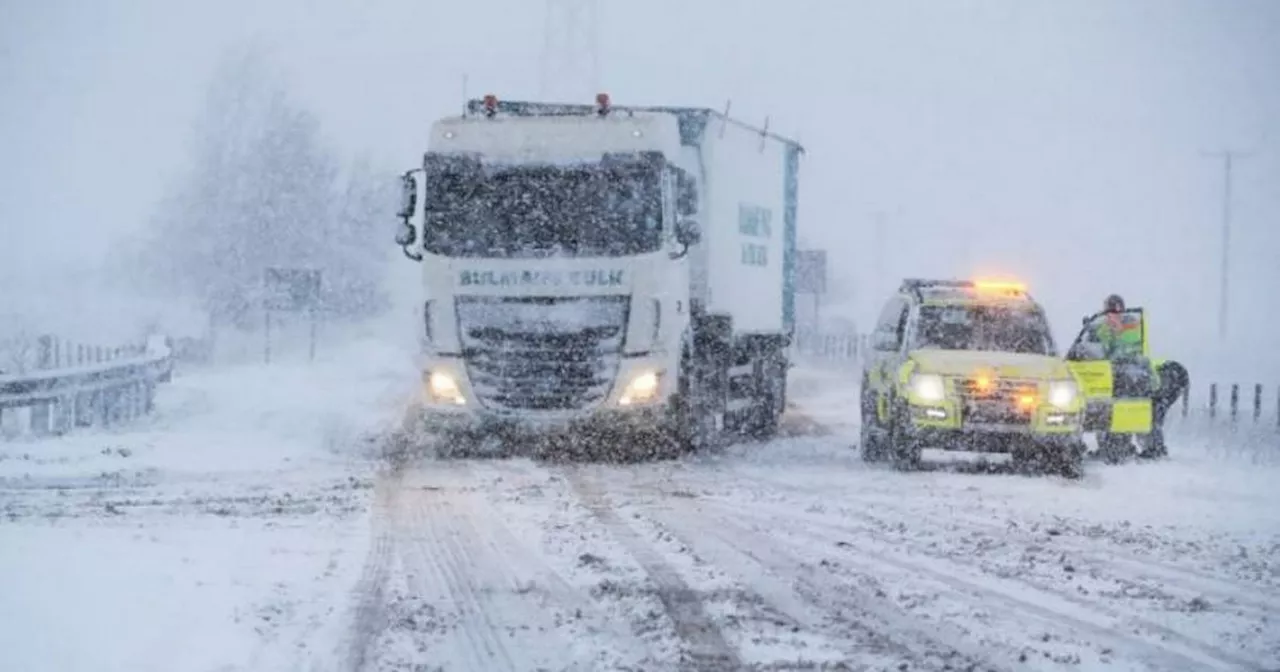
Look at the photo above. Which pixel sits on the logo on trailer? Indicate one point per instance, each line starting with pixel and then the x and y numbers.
pixel 755 222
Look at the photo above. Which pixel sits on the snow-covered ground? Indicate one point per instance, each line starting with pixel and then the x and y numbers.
pixel 223 533
pixel 253 524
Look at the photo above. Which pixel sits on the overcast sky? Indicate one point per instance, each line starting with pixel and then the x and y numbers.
pixel 1056 141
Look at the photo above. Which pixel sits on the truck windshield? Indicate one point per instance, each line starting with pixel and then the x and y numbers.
pixel 535 211
pixel 984 327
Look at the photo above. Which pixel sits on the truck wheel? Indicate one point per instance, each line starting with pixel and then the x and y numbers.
pixel 701 396
pixel 771 385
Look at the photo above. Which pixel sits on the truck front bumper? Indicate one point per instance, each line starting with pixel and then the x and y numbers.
pixel 481 425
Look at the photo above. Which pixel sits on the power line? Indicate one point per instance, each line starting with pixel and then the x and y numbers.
pixel 1228 158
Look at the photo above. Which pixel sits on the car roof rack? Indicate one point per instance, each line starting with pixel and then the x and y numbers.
pixel 916 287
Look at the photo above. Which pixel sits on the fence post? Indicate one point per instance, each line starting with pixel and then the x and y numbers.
pixel 66 415
pixel 1213 400
pixel 40 412
pixel 1257 402
pixel 1235 401
pixel 45 356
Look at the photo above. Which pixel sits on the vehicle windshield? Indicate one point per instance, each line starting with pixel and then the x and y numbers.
pixel 542 210
pixel 984 327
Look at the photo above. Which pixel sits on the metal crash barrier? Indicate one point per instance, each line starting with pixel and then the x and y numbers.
pixel 80 386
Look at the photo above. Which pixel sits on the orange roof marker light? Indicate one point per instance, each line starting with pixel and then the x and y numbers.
pixel 997 286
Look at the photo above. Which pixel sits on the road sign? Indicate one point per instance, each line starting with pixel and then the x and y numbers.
pixel 291 289
pixel 811 271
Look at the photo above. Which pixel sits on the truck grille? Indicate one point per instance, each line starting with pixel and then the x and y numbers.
pixel 997 402
pixel 542 354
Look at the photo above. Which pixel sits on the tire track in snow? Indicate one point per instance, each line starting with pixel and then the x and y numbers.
pixel 435 561
pixel 1256 598
pixel 707 648
pixel 1050 606
pixel 935 644
pixel 370 591
pixel 534 570
pixel 883 631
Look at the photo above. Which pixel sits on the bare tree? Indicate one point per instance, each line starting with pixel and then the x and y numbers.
pixel 263 190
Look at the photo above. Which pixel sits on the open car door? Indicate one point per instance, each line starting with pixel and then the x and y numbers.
pixel 1117 394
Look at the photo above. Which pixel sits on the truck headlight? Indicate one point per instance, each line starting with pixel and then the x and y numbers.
pixel 1062 393
pixel 443 388
pixel 643 387
pixel 928 386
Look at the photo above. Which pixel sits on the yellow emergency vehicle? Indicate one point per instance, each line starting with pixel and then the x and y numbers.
pixel 970 366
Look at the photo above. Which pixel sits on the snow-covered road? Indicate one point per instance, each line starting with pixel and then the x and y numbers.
pixel 250 529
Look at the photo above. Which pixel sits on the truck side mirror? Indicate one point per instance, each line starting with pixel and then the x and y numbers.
pixel 408 196
pixel 687 231
pixel 686 194
pixel 406 235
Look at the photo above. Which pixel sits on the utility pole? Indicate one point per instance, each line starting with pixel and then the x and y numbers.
pixel 878 265
pixel 1224 297
pixel 570 52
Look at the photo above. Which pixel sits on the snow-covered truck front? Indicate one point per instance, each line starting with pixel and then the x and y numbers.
pixel 601 267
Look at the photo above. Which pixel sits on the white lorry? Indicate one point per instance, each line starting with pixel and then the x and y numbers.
pixel 592 267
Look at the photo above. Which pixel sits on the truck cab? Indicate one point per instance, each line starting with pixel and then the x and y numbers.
pixel 572 264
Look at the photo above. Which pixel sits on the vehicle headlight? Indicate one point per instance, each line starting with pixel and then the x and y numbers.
pixel 443 388
pixel 928 386
pixel 642 387
pixel 1062 393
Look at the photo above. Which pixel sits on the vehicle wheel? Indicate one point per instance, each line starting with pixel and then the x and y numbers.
pixel 1026 456
pixel 691 423
pixel 871 444
pixel 1069 463
pixel 903 448
pixel 772 385
pixel 703 387
pixel 870 436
